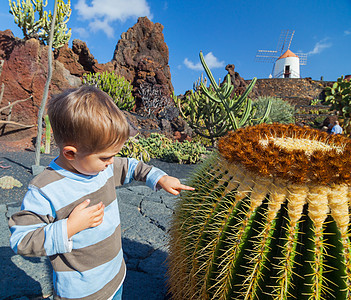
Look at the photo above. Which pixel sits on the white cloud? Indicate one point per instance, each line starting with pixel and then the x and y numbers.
pixel 81 31
pixel 103 25
pixel 102 13
pixel 211 61
pixel 320 46
pixel 191 65
pixel 347 32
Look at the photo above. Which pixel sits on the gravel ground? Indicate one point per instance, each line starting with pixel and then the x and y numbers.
pixel 145 220
pixel 20 168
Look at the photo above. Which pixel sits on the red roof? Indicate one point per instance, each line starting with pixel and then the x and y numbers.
pixel 288 53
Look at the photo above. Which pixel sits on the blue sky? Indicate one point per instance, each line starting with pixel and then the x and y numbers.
pixel 228 32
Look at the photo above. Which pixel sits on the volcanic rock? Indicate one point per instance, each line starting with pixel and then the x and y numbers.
pixel 79 60
pixel 24 74
pixel 141 56
pixel 240 85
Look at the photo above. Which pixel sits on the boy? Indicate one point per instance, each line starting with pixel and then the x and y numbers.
pixel 70 212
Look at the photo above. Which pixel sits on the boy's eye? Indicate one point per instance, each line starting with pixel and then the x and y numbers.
pixel 106 158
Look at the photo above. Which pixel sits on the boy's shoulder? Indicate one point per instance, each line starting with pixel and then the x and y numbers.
pixel 46 177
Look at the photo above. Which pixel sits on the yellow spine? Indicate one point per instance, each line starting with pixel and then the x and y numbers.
pixel 338 202
pixel 318 210
pixel 296 195
pixel 276 199
pixel 296 200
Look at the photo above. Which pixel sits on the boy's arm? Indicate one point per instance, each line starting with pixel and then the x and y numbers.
pixel 153 177
pixel 34 231
pixel 127 170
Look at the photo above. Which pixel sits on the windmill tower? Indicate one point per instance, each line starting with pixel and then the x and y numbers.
pixel 286 64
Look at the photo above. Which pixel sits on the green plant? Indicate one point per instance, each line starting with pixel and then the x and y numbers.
pixel 133 149
pixel 25 13
pixel 314 112
pixel 317 122
pixel 116 86
pixel 205 117
pixel 161 147
pixel 269 219
pixel 315 102
pixel 213 111
pixel 339 96
pixel 47 134
pixel 324 111
pixel 281 111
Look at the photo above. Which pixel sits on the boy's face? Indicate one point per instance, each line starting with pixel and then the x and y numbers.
pixel 92 164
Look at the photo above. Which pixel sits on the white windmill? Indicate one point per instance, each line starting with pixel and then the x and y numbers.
pixel 286 64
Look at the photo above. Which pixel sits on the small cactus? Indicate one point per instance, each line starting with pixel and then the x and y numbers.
pixel 8 182
pixel 118 88
pixel 269 219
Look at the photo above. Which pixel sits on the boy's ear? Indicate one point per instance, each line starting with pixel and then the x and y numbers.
pixel 69 152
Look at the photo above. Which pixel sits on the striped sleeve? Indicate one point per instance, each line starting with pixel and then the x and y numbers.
pixel 137 170
pixel 33 230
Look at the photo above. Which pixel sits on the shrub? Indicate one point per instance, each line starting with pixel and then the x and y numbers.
pixel 339 96
pixel 116 86
pixel 133 149
pixel 161 147
pixel 281 111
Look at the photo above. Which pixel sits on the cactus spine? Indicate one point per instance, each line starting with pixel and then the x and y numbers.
pixel 269 219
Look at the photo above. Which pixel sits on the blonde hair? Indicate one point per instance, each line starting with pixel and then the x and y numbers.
pixel 88 119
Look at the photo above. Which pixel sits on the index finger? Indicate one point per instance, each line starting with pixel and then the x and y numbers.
pixel 185 187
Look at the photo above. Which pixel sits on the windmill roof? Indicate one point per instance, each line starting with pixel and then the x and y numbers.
pixel 288 53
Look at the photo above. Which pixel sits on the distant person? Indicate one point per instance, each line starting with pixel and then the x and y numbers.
pixel 70 212
pixel 336 128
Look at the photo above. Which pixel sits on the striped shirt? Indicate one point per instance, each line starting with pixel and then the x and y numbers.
pixel 90 265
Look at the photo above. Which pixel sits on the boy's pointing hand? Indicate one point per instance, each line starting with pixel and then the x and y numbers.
pixel 172 185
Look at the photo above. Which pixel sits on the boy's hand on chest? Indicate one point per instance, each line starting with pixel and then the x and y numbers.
pixel 84 216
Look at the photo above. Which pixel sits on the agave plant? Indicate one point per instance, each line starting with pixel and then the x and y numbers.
pixel 269 219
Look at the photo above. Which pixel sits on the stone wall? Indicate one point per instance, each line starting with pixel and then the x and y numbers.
pixel 297 91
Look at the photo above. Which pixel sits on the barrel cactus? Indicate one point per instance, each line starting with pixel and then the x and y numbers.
pixel 269 219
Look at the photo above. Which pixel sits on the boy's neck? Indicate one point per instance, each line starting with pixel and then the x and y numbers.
pixel 62 162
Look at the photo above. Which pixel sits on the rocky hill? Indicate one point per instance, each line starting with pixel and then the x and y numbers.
pixel 141 56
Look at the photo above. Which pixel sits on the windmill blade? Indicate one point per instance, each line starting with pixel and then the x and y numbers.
pixel 285 40
pixel 268 56
pixel 302 58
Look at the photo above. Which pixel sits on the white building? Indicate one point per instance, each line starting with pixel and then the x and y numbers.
pixel 287 66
